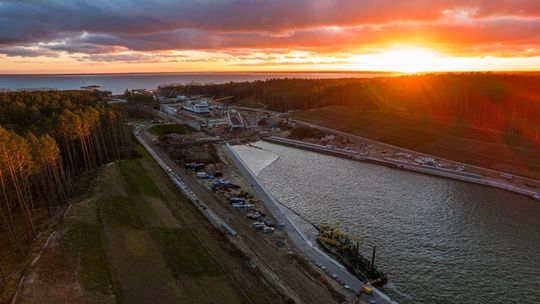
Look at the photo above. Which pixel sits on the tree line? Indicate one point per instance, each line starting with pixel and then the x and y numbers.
pixel 47 140
pixel 508 103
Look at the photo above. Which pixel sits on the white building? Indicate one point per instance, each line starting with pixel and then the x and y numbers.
pixel 163 99
pixel 197 106
pixel 168 109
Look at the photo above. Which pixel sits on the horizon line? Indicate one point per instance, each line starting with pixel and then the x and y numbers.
pixel 277 72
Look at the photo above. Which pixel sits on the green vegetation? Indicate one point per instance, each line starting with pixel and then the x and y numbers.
pixel 138 250
pixel 160 130
pixel 83 241
pixel 51 143
pixel 119 210
pixel 137 101
pixel 137 179
pixel 184 254
pixel 250 102
pixel 138 148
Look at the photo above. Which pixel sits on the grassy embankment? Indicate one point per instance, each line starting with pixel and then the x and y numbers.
pixel 437 136
pixel 182 252
pixel 250 102
pixel 129 242
pixel 13 263
pixel 160 130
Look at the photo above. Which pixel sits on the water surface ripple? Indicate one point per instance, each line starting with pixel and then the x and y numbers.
pixel 441 241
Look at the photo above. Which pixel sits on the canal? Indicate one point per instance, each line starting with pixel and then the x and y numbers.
pixel 439 240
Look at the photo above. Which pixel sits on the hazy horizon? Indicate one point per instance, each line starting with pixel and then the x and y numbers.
pixel 277 72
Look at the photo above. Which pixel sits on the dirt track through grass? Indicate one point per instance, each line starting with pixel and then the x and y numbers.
pixel 124 244
pixel 188 262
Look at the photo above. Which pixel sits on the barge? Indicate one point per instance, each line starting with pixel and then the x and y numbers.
pixel 345 248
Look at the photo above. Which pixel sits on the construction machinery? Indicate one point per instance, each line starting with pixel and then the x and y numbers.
pixel 346 248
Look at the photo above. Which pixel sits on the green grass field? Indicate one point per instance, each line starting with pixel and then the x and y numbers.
pixel 249 102
pixel 124 244
pixel 118 210
pixel 160 130
pixel 137 179
pixel 184 254
pixel 82 247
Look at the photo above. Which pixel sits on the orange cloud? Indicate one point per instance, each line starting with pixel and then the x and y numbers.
pixel 230 33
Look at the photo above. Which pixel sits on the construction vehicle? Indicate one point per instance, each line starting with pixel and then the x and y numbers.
pixel 345 248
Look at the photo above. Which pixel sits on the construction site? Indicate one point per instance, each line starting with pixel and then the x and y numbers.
pixel 193 134
pixel 205 174
pixel 232 229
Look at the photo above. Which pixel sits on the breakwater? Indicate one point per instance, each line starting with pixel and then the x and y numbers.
pixel 394 163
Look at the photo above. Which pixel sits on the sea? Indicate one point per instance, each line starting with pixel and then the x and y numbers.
pixel 439 240
pixel 118 83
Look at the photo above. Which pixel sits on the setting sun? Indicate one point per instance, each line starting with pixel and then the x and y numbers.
pixel 234 36
pixel 282 151
pixel 412 60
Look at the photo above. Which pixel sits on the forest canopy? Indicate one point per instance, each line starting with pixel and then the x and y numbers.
pixel 47 140
pixel 508 103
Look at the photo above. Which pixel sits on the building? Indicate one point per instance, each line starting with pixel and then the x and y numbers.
pixel 163 99
pixel 217 122
pixel 252 121
pixel 197 106
pixel 235 120
pixel 168 109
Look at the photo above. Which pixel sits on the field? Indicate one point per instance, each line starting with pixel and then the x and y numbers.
pixel 437 136
pixel 135 239
pixel 249 102
pixel 160 130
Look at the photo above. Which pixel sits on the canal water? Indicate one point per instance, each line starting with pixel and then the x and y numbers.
pixel 439 240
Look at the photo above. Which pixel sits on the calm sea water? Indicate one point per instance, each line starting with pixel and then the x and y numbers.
pixel 118 83
pixel 441 241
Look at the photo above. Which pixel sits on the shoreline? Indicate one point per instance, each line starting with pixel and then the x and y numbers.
pixel 388 162
pixel 258 171
pixel 300 240
pixel 522 185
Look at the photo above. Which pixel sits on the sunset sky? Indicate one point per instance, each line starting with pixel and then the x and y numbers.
pixel 99 36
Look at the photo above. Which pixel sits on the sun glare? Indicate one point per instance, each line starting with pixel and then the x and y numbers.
pixel 408 59
pixel 411 60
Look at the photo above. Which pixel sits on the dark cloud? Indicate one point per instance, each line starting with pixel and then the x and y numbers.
pixel 16 51
pixel 120 58
pixel 101 27
pixel 86 48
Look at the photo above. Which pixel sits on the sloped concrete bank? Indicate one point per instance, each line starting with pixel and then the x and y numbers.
pixel 302 243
